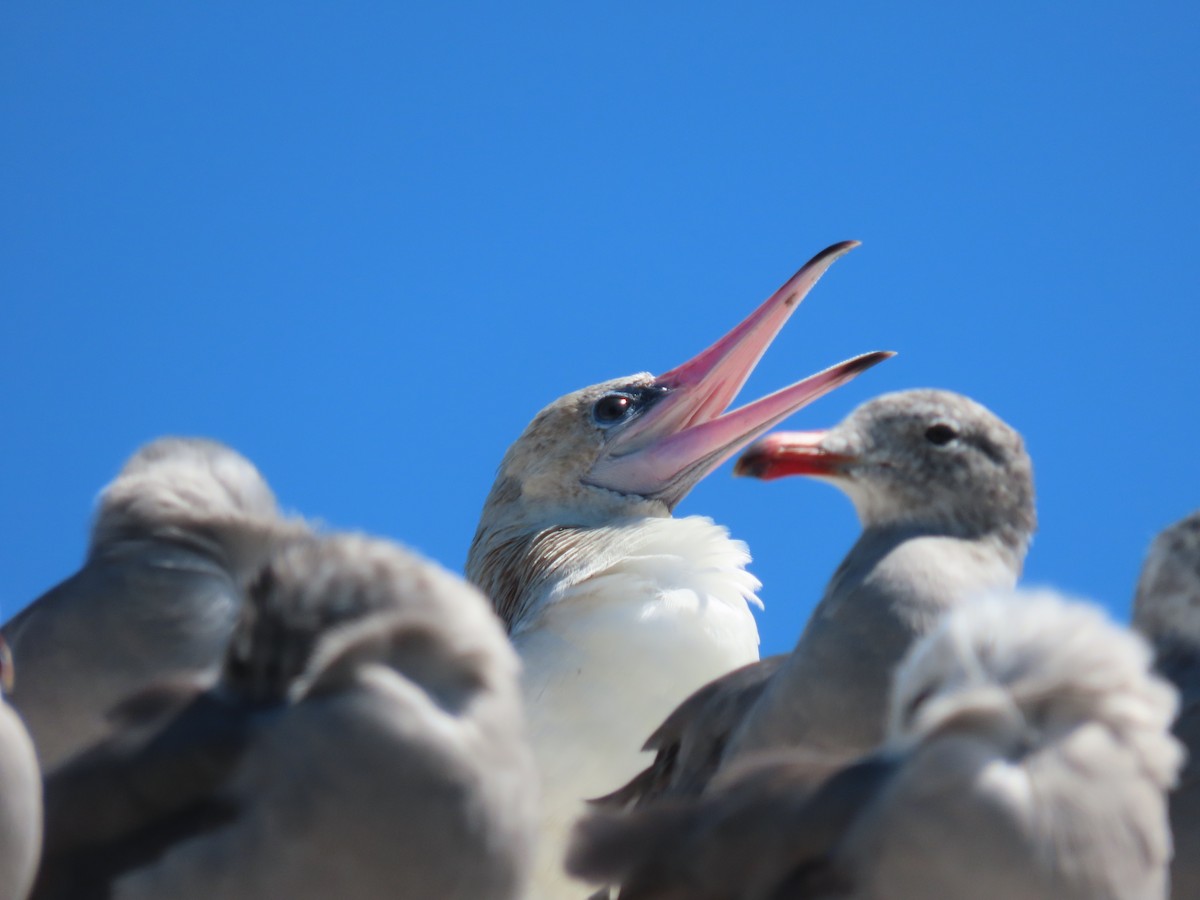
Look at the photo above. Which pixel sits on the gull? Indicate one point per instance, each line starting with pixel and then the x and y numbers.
pixel 1028 754
pixel 157 595
pixel 618 610
pixel 20 796
pixel 1167 610
pixel 944 492
pixel 365 740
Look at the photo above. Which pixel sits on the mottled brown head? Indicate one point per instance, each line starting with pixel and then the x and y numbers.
pixel 635 446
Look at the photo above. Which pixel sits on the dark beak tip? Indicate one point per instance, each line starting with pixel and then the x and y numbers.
pixel 835 250
pixel 874 358
pixel 748 465
pixel 860 364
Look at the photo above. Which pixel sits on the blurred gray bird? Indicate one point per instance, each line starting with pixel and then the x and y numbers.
pixel 20 796
pixel 617 609
pixel 1028 755
pixel 944 491
pixel 1167 610
pixel 365 740
pixel 157 596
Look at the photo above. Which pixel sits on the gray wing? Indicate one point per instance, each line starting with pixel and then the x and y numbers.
pixel 765 834
pixel 1185 808
pixel 831 696
pixel 125 801
pixel 1181 666
pixel 118 626
pixel 690 742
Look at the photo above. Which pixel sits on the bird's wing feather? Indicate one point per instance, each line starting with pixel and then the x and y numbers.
pixel 128 798
pixel 766 831
pixel 690 742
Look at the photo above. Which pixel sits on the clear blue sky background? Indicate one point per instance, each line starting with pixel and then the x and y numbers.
pixel 365 243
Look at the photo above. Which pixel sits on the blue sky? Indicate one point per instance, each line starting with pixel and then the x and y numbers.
pixel 365 243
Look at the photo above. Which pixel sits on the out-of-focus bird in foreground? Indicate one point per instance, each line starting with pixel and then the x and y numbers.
pixel 1028 755
pixel 617 610
pixel 944 491
pixel 1167 610
pixel 20 796
pixel 365 741
pixel 157 596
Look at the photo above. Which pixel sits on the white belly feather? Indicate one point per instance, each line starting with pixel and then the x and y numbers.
pixel 609 660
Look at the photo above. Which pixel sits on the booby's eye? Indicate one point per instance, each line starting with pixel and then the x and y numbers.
pixel 940 434
pixel 612 408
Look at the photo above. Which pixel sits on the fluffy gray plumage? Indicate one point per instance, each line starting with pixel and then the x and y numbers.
pixel 1028 755
pixel 365 740
pixel 20 800
pixel 942 522
pixel 1167 610
pixel 157 596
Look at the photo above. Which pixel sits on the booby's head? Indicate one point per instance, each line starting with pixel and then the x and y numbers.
pixel 926 457
pixel 1024 670
pixel 637 445
pixel 1167 605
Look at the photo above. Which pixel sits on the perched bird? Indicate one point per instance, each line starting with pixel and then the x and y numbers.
pixel 1166 609
pixel 1028 755
pixel 20 796
pixel 944 491
pixel 365 740
pixel 156 597
pixel 617 610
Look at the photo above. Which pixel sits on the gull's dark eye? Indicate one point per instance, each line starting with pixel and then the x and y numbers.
pixel 612 408
pixel 940 434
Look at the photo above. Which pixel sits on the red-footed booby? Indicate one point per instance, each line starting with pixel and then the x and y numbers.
pixel 1028 755
pixel 365 740
pixel 944 491
pixel 618 610
pixel 20 796
pixel 1166 609
pixel 157 596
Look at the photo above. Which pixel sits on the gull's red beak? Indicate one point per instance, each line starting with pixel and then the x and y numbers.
pixel 6 668
pixel 790 453
pixel 687 434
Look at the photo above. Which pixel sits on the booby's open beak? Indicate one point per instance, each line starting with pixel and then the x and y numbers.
pixel 790 453
pixel 685 435
pixel 6 668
